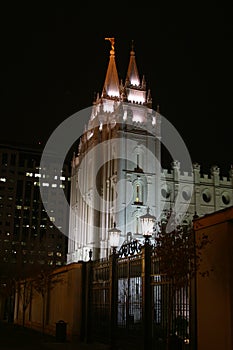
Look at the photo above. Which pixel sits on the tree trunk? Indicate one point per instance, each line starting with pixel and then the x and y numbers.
pixel 43 313
pixel 24 298
pixel 23 316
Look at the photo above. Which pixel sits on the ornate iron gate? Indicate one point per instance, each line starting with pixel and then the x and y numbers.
pixel 129 302
pixel 100 301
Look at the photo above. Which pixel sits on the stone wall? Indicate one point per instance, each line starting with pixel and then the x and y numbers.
pixel 63 301
pixel 214 307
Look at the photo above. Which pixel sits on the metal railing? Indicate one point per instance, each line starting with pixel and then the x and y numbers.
pixel 132 304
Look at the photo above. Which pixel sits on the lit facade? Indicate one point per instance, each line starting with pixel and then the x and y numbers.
pixel 117 174
pixel 28 237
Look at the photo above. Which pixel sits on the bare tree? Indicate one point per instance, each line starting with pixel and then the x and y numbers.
pixel 7 293
pixel 25 292
pixel 44 282
pixel 179 256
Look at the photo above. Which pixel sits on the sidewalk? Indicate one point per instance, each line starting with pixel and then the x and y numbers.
pixel 15 338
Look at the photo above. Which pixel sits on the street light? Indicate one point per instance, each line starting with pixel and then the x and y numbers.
pixel 114 237
pixel 147 222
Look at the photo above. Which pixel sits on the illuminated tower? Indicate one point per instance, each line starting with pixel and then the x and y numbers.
pixel 116 174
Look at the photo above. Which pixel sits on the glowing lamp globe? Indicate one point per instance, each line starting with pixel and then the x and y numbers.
pixel 147 222
pixel 114 237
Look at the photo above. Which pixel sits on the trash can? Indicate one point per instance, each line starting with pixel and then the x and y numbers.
pixel 61 331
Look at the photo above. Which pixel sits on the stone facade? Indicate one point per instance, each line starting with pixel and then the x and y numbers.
pixel 117 175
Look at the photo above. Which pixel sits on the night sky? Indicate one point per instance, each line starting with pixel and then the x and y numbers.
pixel 54 60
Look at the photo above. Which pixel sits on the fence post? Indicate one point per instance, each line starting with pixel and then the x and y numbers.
pixel 147 295
pixel 88 271
pixel 113 297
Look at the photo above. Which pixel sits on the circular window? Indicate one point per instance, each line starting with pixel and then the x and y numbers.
pixel 165 193
pixel 186 195
pixel 225 198
pixel 206 196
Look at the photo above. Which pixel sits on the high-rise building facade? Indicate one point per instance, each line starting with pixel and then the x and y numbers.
pixel 28 237
pixel 117 175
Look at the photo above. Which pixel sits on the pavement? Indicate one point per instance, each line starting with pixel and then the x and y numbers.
pixel 14 337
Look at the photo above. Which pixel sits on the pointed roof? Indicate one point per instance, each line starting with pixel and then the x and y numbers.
pixel 111 85
pixel 132 76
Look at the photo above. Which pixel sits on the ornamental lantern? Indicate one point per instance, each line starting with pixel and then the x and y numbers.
pixel 148 222
pixel 114 237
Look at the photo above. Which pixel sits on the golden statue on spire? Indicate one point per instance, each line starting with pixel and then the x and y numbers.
pixel 112 41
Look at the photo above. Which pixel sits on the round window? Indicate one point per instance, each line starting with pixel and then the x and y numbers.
pixel 186 195
pixel 206 196
pixel 225 198
pixel 165 193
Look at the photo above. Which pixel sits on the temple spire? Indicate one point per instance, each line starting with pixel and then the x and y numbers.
pixel 111 85
pixel 135 90
pixel 132 77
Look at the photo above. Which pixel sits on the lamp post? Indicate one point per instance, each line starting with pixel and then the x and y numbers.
pixel 114 237
pixel 147 222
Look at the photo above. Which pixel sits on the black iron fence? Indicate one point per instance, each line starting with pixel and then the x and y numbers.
pixel 131 305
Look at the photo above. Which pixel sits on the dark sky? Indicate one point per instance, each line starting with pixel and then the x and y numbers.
pixel 54 59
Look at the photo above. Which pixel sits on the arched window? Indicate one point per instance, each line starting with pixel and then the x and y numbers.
pixel 138 194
